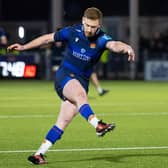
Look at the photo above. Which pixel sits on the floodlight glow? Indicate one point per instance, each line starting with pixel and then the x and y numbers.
pixel 21 32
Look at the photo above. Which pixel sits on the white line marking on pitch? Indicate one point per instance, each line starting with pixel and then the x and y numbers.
pixel 25 116
pixel 92 149
pixel 110 104
pixel 105 114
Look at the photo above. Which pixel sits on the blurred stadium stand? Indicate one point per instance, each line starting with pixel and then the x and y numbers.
pixel 153 29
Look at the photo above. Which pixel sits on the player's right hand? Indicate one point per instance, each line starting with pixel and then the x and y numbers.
pixel 16 46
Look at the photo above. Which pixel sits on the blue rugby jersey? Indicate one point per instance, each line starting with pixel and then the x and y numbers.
pixel 81 53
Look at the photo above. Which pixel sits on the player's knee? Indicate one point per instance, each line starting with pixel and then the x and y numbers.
pixel 81 98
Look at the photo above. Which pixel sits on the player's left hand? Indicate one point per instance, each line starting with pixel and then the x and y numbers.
pixel 131 54
pixel 16 46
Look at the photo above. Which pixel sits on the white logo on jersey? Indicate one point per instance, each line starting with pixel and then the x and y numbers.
pixel 80 56
pixel 76 39
pixel 83 50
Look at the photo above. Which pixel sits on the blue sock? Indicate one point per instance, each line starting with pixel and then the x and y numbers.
pixel 85 110
pixel 54 134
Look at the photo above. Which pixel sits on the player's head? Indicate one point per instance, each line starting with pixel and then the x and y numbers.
pixel 3 37
pixel 3 40
pixel 91 21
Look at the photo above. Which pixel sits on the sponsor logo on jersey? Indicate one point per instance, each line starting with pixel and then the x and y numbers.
pixel 81 56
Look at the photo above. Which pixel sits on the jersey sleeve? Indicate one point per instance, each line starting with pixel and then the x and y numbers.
pixel 62 35
pixel 104 39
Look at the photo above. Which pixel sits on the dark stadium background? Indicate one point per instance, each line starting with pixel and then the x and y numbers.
pixel 40 10
pixel 151 34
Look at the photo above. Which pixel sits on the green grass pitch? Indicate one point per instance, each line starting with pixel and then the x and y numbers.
pixel 28 109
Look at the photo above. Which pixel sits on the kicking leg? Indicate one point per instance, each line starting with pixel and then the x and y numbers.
pixel 79 97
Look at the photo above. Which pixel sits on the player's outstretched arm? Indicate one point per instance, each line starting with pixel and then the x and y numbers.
pixel 120 47
pixel 42 40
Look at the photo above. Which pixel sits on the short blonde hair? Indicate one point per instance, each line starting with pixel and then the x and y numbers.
pixel 93 14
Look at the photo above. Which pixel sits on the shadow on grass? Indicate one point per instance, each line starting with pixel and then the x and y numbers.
pixel 114 158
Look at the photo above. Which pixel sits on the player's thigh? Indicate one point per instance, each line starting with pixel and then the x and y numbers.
pixel 73 90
